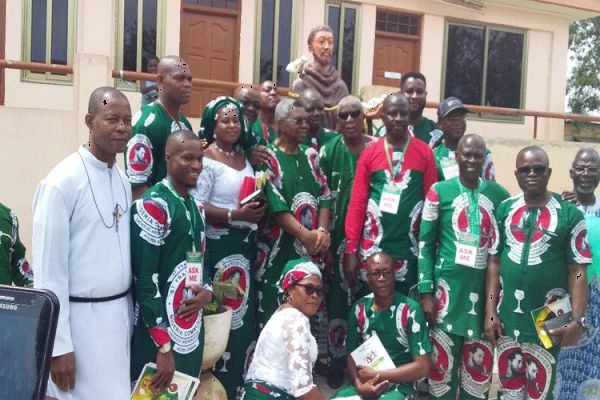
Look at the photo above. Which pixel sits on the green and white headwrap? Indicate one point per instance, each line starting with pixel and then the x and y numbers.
pixel 209 122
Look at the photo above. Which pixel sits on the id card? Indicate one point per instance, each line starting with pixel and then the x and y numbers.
pixel 193 275
pixel 466 250
pixel 449 168
pixel 390 199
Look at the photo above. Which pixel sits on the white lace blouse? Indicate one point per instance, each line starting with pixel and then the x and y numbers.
pixel 285 353
pixel 219 184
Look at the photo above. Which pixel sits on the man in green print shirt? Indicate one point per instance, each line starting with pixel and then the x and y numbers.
pixel 541 257
pixel 458 228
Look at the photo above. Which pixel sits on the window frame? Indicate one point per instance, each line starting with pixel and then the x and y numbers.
pixel 258 41
pixel 48 77
pixel 357 38
pixel 486 28
pixel 120 36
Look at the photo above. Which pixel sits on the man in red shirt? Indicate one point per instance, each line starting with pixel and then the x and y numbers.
pixel 391 180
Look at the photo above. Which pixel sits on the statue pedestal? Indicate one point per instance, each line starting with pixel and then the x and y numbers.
pixel 216 336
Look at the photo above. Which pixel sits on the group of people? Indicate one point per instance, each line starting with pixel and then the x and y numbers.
pixel 405 236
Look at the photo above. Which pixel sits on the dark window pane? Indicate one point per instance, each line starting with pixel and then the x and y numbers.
pixel 219 3
pixel 333 20
pixel 148 31
pixel 285 39
pixel 205 2
pixel 380 26
pixel 233 4
pixel 348 51
pixel 505 61
pixel 60 26
pixel 464 63
pixel 191 1
pixel 38 31
pixel 130 35
pixel 266 40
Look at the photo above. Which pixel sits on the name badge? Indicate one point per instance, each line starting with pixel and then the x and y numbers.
pixel 390 199
pixel 466 250
pixel 194 268
pixel 449 168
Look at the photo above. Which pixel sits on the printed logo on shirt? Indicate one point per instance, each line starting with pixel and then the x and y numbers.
pixel 336 337
pixel 260 261
pixel 153 219
pixel 516 231
pixel 488 229
pixel 372 232
pixel 362 321
pixel 402 313
pixel 538 370
pixel 415 224
pixel 185 333
pixel 580 245
pixel 478 360
pixel 139 158
pixel 430 210
pixel 400 269
pixel 442 299
pixel 511 368
pixel 304 209
pixel 234 271
pixel 441 363
pixel 313 162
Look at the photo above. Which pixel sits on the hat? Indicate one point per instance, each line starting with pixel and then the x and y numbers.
pixel 296 270
pixel 209 121
pixel 449 105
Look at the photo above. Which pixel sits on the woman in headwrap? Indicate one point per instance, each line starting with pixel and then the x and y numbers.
pixel 286 351
pixel 230 230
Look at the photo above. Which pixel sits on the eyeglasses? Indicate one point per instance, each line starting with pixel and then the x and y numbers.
pixel 582 170
pixel 536 169
pixel 386 273
pixel 345 114
pixel 310 289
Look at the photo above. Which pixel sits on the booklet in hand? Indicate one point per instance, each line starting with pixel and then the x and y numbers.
pixel 549 317
pixel 182 387
pixel 372 354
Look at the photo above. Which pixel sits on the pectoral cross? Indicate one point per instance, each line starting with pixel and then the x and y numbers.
pixel 117 216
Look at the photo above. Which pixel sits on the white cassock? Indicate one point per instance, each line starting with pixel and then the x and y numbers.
pixel 75 254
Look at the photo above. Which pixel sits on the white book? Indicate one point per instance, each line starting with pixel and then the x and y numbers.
pixel 182 387
pixel 372 354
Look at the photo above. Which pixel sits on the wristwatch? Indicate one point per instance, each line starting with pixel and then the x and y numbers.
pixel 581 321
pixel 165 348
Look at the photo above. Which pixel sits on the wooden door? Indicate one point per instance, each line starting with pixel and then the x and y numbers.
pixel 210 44
pixel 393 57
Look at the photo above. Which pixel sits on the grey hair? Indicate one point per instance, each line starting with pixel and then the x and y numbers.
pixel 349 100
pixel 284 108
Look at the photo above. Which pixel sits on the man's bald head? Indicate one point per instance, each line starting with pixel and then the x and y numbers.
pixel 177 138
pixel 379 258
pixel 310 95
pixel 395 98
pixel 587 154
pixel 243 90
pixel 529 151
pixel 473 140
pixel 168 64
pixel 102 96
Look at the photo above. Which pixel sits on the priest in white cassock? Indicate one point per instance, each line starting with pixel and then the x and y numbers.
pixel 81 252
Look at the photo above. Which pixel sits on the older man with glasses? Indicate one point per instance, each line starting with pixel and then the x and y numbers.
pixel 298 203
pixel 541 257
pixel 338 161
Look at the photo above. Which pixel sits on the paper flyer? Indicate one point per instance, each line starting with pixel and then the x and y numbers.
pixel 549 317
pixel 182 387
pixel 372 354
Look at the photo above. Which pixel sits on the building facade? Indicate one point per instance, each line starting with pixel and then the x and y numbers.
pixel 507 53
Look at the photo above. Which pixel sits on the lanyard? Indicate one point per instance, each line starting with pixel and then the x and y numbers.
pixel 473 215
pixel 193 222
pixel 395 171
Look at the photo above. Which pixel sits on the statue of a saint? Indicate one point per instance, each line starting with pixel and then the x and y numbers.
pixel 321 75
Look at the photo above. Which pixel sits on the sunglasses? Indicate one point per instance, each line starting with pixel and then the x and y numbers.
pixel 345 114
pixel 310 289
pixel 386 273
pixel 536 169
